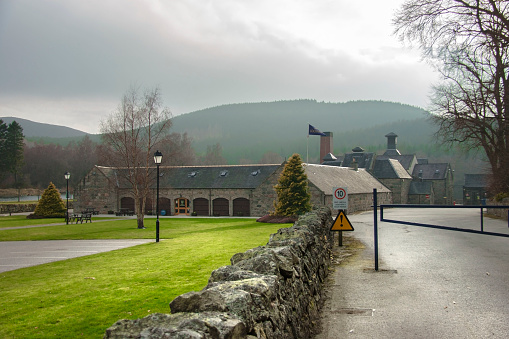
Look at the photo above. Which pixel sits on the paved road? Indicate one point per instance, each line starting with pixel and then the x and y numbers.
pixel 430 284
pixel 19 254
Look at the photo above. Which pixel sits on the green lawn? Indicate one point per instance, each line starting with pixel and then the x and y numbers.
pixel 17 220
pixel 82 297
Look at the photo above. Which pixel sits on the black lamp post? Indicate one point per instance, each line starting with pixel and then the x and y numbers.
pixel 67 175
pixel 158 157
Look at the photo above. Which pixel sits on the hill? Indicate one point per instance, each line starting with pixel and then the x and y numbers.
pixel 247 131
pixel 36 129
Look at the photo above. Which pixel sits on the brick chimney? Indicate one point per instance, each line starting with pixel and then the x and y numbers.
pixel 326 145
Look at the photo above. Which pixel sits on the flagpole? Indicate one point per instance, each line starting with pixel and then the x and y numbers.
pixel 307 150
pixel 307 147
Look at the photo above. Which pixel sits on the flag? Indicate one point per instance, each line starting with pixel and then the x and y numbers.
pixel 314 131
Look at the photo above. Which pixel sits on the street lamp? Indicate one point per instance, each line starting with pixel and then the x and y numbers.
pixel 67 175
pixel 158 157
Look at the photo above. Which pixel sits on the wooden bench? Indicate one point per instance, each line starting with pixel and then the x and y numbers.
pixel 86 217
pixel 90 210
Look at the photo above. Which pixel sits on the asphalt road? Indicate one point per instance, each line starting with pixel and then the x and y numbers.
pixel 430 284
pixel 19 254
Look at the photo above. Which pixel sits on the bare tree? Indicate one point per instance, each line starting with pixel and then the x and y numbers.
pixel 467 42
pixel 177 149
pixel 130 137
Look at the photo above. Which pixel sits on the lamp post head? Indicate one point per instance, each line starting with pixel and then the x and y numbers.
pixel 158 157
pixel 67 175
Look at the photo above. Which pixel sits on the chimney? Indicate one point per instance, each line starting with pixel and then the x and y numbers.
pixel 392 140
pixel 326 145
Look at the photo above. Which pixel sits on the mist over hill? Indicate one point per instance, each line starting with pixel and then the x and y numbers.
pixel 37 129
pixel 247 131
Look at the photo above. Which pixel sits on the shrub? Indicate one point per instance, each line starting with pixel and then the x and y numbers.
pixel 501 196
pixel 51 204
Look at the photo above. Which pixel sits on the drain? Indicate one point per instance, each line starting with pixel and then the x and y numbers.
pixel 367 312
pixel 372 270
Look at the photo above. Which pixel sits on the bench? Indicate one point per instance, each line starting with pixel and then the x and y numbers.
pixel 124 211
pixel 90 210
pixel 85 217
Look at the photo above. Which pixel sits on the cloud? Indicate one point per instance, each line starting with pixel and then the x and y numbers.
pixel 63 56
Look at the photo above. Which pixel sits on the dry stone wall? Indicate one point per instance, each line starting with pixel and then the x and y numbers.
pixel 272 291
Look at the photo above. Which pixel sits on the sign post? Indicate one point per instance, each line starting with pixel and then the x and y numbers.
pixel 340 202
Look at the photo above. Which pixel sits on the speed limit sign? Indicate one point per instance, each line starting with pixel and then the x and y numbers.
pixel 340 198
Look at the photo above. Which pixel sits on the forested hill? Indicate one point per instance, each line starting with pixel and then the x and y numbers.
pixel 246 131
pixel 37 129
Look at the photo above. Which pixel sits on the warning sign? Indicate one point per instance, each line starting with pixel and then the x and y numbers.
pixel 341 223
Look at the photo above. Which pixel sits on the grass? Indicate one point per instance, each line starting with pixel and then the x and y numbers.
pixel 82 297
pixel 17 220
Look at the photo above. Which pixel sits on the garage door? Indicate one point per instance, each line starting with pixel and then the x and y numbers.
pixel 220 207
pixel 241 207
pixel 201 206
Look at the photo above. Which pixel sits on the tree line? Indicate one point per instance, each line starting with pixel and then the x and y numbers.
pixel 28 164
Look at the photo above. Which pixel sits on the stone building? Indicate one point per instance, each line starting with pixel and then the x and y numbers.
pixel 225 190
pixel 411 180
pixel 475 189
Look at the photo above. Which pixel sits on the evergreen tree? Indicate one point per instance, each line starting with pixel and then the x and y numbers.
pixel 293 197
pixel 51 204
pixel 3 155
pixel 12 149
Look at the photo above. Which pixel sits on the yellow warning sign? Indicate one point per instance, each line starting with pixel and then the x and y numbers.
pixel 341 223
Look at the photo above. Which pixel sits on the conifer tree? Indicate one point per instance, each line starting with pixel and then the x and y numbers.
pixel 51 204
pixel 293 197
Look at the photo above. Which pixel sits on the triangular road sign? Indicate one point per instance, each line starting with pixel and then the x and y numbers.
pixel 341 223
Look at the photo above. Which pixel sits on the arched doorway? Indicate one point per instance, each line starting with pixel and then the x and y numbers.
pixel 220 207
pixel 127 203
pixel 241 207
pixel 164 205
pixel 201 206
pixel 181 206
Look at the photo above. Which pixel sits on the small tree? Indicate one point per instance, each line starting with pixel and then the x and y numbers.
pixel 51 204
pixel 293 197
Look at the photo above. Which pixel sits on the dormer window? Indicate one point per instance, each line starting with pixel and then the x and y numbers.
pixel 191 174
pixel 223 173
pixel 255 173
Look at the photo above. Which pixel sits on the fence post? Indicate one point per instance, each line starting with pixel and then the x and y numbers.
pixel 375 216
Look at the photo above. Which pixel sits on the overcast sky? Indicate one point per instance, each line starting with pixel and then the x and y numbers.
pixel 68 62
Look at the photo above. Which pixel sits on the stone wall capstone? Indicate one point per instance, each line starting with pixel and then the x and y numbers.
pixel 272 291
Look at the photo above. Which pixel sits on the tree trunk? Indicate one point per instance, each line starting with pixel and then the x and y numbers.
pixel 139 212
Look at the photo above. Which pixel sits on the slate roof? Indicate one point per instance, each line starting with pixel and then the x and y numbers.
pixel 420 187
pixel 216 177
pixel 210 177
pixel 363 159
pixel 331 160
pixel 431 171
pixel 476 181
pixel 326 178
pixel 389 169
pixel 407 161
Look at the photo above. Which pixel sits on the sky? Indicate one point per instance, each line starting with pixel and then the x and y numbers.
pixel 68 62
